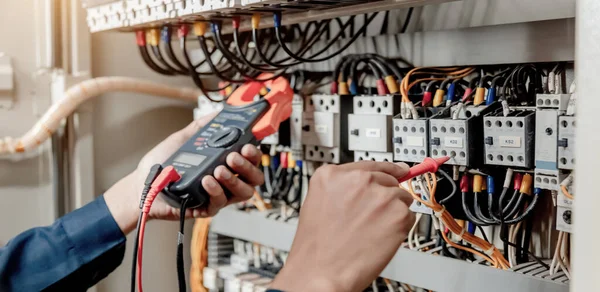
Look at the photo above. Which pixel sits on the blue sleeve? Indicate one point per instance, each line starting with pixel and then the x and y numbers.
pixel 72 254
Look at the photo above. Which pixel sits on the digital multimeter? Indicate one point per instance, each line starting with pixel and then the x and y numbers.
pixel 241 121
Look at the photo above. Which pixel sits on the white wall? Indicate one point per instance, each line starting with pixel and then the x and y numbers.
pixel 25 186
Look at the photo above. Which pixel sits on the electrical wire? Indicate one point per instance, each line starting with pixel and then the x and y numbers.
pixel 312 59
pixel 180 261
pixel 407 21
pixel 492 254
pixel 166 176
pixel 452 182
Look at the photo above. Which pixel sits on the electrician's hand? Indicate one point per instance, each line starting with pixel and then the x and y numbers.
pixel 352 223
pixel 123 198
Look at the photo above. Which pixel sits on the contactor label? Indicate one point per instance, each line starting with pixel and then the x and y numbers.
pixel 373 133
pixel 509 141
pixel 415 141
pixel 321 129
pixel 453 142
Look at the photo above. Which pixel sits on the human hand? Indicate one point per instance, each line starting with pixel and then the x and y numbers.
pixel 352 223
pixel 123 198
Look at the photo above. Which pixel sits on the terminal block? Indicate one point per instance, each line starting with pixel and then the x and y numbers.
pixel 373 156
pixel 370 125
pixel 566 142
pixel 509 140
pixel 459 137
pixel 325 119
pixel 105 15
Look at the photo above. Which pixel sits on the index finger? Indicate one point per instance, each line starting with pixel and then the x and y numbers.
pixel 397 170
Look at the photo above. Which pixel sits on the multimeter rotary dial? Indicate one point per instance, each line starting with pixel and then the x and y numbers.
pixel 224 138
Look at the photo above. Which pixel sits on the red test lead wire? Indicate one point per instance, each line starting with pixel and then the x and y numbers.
pixel 167 176
pixel 428 165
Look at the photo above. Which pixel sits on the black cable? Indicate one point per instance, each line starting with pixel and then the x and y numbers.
pixel 527 211
pixel 194 75
pixel 478 212
pixel 468 212
pixel 526 239
pixel 180 261
pixel 454 187
pixel 279 63
pixel 504 238
pixel 150 63
pixel 429 227
pixel 483 233
pixel 228 56
pixel 158 55
pixel 310 59
pixel 407 21
pixel 516 207
pixel 136 243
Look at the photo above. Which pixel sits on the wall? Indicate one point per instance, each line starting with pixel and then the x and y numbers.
pixel 26 197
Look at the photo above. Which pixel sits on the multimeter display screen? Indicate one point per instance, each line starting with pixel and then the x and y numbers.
pixel 189 158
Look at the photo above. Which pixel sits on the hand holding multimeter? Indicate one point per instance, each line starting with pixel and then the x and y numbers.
pixel 242 121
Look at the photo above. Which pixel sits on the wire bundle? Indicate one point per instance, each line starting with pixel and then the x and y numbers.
pixel 407 109
pixel 490 252
pixel 253 53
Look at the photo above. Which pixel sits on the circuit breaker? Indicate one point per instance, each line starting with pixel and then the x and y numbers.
pixel 509 140
pixel 566 142
pixel 296 126
pixel 370 127
pixel 458 133
pixel 324 120
pixel 548 108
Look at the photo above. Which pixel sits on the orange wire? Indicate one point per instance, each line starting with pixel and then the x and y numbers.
pixel 470 250
pixel 453 72
pixel 496 258
pixel 566 192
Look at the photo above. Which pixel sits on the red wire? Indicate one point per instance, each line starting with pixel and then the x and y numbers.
pixel 140 251
pixel 167 176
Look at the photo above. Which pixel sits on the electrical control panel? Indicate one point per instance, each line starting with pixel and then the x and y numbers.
pixel 509 140
pixel 566 142
pixel 324 120
pixel 370 126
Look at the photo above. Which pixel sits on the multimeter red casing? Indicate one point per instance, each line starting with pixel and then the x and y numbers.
pixel 242 121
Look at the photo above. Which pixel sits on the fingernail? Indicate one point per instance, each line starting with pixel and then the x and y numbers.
pixel 238 160
pixel 251 149
pixel 211 183
pixel 204 214
pixel 225 173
